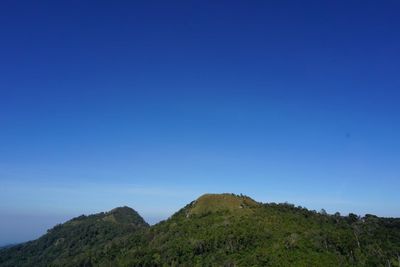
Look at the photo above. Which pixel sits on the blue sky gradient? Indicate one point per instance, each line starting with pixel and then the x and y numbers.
pixel 151 104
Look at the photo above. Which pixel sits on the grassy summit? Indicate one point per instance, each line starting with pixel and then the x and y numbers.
pixel 209 203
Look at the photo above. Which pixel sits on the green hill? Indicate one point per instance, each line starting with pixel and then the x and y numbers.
pixel 78 242
pixel 209 203
pixel 216 230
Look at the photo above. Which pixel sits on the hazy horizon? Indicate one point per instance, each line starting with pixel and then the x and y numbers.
pixel 147 103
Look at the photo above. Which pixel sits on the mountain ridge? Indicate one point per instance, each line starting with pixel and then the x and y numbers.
pixel 215 230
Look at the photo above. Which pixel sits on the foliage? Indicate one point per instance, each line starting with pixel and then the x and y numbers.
pixel 216 230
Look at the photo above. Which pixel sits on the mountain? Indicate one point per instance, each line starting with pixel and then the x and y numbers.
pixel 78 242
pixel 216 230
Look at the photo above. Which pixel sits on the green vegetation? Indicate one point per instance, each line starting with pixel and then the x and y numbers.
pixel 209 203
pixel 216 230
pixel 82 241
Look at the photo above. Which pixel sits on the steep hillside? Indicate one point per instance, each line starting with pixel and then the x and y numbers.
pixel 231 230
pixel 216 230
pixel 78 242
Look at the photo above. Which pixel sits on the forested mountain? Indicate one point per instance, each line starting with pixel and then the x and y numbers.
pixel 216 230
pixel 82 241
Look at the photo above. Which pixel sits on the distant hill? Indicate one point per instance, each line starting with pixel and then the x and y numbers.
pixel 78 242
pixel 216 230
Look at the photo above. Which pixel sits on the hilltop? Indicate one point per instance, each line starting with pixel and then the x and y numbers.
pixel 216 230
pixel 77 241
pixel 209 203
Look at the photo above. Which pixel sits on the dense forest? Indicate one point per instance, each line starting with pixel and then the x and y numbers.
pixel 216 230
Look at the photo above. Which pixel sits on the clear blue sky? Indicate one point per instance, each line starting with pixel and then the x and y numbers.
pixel 152 103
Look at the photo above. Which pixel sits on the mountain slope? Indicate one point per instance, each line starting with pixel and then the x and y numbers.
pixel 217 230
pixel 223 230
pixel 78 242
